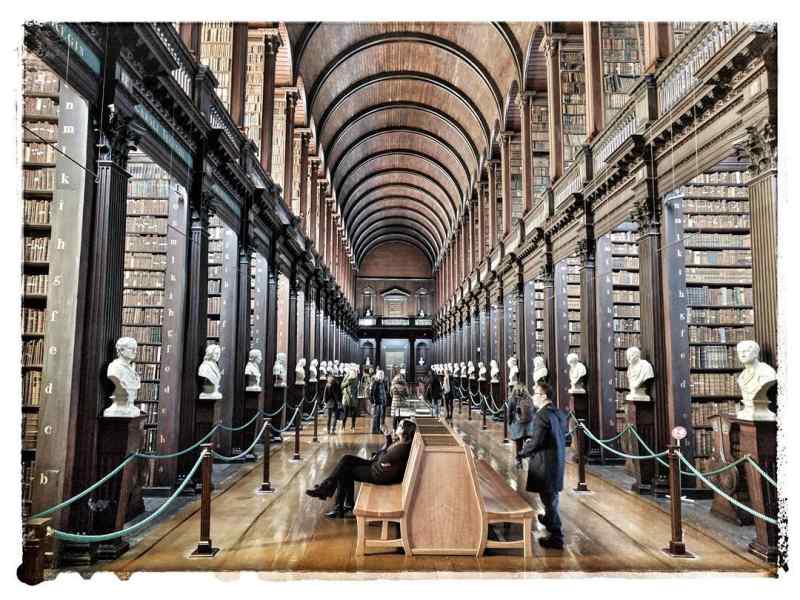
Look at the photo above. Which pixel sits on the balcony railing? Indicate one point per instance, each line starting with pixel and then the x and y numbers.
pixel 380 321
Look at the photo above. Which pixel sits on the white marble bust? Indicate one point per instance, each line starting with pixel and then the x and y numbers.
pixel 463 370
pixel 481 372
pixel 312 371
pixel 539 369
pixel 754 381
pixel 279 371
pixel 639 373
pixel 513 371
pixel 494 370
pixel 471 370
pixel 122 373
pixel 367 362
pixel 577 373
pixel 210 372
pixel 300 372
pixel 323 369
pixel 252 372
pixel 337 369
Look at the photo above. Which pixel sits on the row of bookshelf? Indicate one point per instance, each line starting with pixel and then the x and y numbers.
pixel 148 393
pixel 146 225
pixel 151 207
pixel 713 357
pixel 144 279
pixel 142 298
pixel 142 316
pixel 30 430
pixel 713 384
pixel 627 311
pixel 145 261
pixel 39 180
pixel 625 278
pixel 717 316
pixel 700 334
pixel 35 285
pixel 720 296
pixel 33 352
pixel 626 340
pixel 143 334
pixel 40 107
pixel 708 275
pixel 742 258
pixel 38 153
pixel 626 296
pixel 33 320
pixel 716 221
pixel 148 371
pixel 697 240
pixel 36 249
pixel 31 387
pixel 214 305
pixel 140 243
pixel 36 212
pixel 703 411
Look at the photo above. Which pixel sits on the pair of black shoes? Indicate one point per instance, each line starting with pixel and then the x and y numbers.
pixel 552 542
pixel 323 490
pixel 340 512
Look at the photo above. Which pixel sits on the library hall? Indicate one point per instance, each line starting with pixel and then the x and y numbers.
pixel 398 299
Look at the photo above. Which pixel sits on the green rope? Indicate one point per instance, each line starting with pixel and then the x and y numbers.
pixel 623 454
pixel 88 490
pixel 226 428
pixel 181 452
pixel 244 452
pixel 756 466
pixel 76 537
pixel 724 495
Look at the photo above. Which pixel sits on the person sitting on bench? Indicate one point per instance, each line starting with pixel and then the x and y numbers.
pixel 386 467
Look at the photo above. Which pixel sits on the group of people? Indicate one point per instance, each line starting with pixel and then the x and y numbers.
pixel 340 396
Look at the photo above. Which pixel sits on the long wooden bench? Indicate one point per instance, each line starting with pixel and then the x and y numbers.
pixel 442 472
pixel 386 504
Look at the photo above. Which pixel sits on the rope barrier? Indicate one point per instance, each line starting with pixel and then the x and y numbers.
pixel 179 453
pixel 226 428
pixel 310 415
pixel 623 454
pixel 288 425
pixel 733 501
pixel 244 452
pixel 76 537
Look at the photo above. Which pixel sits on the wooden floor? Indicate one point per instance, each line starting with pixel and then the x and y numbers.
pixel 287 534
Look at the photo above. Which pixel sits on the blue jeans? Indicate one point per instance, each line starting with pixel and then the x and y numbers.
pixel 377 417
pixel 552 520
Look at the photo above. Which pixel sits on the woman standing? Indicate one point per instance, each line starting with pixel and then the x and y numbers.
pixel 332 396
pixel 520 417
pixel 349 399
pixel 398 391
pixel 379 399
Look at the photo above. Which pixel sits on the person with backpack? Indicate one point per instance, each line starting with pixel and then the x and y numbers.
pixel 520 417
pixel 546 459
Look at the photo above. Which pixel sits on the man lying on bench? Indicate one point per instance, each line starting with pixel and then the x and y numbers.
pixel 386 467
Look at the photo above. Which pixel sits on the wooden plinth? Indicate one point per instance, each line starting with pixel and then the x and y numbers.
pixel 119 437
pixel 642 416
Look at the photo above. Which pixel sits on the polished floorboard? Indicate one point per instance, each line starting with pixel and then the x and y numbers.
pixel 286 534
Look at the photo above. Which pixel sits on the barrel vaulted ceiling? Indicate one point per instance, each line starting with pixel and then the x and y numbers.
pixel 404 115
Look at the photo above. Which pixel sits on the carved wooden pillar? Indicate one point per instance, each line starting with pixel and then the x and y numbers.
pixel 243 299
pixel 549 317
pixel 308 316
pixel 313 198
pixel 288 150
pixel 505 167
pixel 762 191
pixel 271 401
pixel 593 67
pixel 525 99
pixel 470 238
pixel 554 108
pixel 589 354
pixel 271 44
pixel 522 325
pixel 304 227
pixel 238 72
pixel 657 44
pixel 291 338
pixel 481 222
pixel 190 34
pixel 491 171
pixel 103 316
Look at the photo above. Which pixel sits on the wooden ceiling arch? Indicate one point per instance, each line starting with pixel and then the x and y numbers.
pixel 390 237
pixel 405 113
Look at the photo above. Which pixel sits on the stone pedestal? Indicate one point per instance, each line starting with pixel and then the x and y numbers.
pixel 121 496
pixel 251 399
pixel 759 439
pixel 579 405
pixel 496 391
pixel 642 416
pixel 207 414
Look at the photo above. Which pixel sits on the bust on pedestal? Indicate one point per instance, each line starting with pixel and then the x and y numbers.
pixel 577 373
pixel 755 380
pixel 470 370
pixel 463 370
pixel 494 371
pixel 300 372
pixel 323 370
pixel 211 374
pixel 513 371
pixel 481 372
pixel 640 372
pixel 539 369
pixel 252 372
pixel 122 373
pixel 279 371
pixel 312 371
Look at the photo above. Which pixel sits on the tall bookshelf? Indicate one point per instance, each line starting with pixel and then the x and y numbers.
pixel 568 320
pixel 40 115
pixel 619 318
pixel 534 331
pixel 539 305
pixel 622 64
pixel 146 245
pixel 254 89
pixel 573 99
pixel 53 194
pixel 681 29
pixel 517 200
pixel 216 51
pixel 279 140
pixel 540 147
pixel 715 227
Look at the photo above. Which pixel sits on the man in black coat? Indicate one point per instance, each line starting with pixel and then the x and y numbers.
pixel 435 392
pixel 386 467
pixel 546 463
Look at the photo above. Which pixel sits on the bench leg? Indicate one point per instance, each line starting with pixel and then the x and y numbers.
pixel 384 530
pixel 361 532
pixel 527 536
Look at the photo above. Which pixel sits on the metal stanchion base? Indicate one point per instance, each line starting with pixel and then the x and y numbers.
pixel 506 441
pixel 677 550
pixel 204 550
pixel 581 488
pixel 296 459
pixel 265 488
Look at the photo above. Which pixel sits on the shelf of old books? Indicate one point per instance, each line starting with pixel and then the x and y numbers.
pixel 619 315
pixel 52 198
pixel 573 98
pixel 254 88
pixel 622 64
pixel 216 51
pixel 517 200
pixel 155 241
pixel 711 218
pixel 567 284
pixel 534 331
pixel 540 147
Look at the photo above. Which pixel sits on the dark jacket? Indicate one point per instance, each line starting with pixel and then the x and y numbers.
pixel 546 451
pixel 378 394
pixel 332 395
pixel 389 463
pixel 436 386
